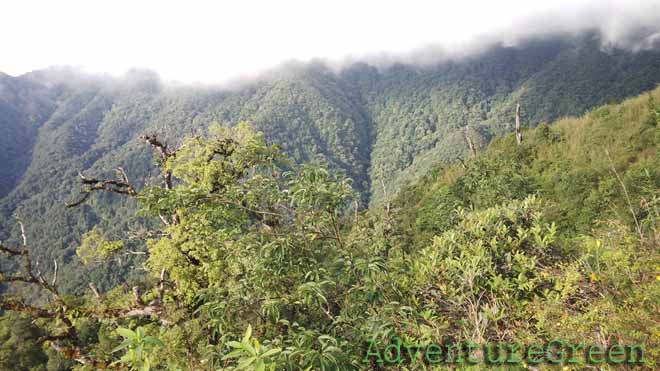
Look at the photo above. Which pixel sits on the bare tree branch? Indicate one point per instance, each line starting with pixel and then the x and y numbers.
pixel 23 237
pixel 9 251
pixel 120 185
pixel 137 297
pixel 163 149
pixel 519 137
pixel 54 283
pixel 468 140
pixel 29 276
pixel 462 162
pixel 19 306
pixel 94 290
pixel 165 154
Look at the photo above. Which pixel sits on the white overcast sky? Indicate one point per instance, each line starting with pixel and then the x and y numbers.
pixel 212 41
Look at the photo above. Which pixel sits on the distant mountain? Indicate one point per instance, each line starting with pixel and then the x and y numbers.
pixel 382 127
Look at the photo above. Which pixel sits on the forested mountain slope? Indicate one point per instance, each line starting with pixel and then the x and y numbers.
pixel 550 241
pixel 380 127
pixel 419 114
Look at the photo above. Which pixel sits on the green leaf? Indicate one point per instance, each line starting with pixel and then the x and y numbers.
pixel 248 333
pixel 235 344
pixel 126 333
pixel 154 341
pixel 233 354
pixel 245 363
pixel 271 352
pixel 124 344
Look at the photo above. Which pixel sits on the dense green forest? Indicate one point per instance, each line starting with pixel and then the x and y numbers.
pixel 259 263
pixel 379 126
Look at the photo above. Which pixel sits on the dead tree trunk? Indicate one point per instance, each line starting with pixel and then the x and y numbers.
pixel 519 137
pixel 468 140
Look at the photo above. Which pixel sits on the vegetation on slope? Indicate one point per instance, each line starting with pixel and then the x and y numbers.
pixel 262 264
pixel 379 127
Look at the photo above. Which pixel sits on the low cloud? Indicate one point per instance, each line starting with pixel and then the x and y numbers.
pixel 627 25
pixel 212 42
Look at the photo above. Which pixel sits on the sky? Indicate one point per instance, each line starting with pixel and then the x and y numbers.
pixel 217 41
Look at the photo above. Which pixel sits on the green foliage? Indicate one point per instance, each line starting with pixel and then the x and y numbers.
pixel 95 247
pixel 382 128
pixel 250 354
pixel 557 237
pixel 139 348
pixel 19 350
pixel 579 257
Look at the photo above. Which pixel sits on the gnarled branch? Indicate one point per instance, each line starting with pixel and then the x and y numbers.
pixel 29 276
pixel 119 185
pixel 165 153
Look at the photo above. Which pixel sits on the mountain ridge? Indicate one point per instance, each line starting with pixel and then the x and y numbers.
pixel 381 127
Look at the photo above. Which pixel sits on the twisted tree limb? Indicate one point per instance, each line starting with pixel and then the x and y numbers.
pixel 165 154
pixel 30 277
pixel 119 185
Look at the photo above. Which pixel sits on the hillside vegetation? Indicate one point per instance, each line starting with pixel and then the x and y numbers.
pixel 380 127
pixel 267 265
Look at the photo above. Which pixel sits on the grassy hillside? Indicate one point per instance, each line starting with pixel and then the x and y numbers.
pixel 582 164
pixel 557 238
